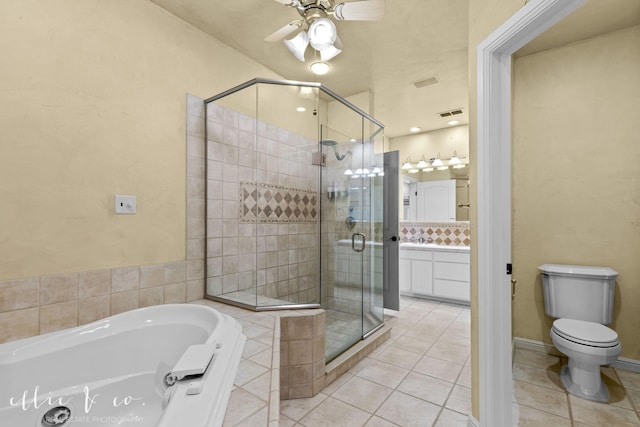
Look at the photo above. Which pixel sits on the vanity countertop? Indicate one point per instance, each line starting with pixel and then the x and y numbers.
pixel 433 246
pixel 413 246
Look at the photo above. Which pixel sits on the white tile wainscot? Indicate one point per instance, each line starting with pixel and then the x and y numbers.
pixel 435 271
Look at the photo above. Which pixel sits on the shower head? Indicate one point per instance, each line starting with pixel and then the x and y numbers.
pixel 331 143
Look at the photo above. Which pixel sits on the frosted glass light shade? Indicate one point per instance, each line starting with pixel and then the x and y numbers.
pixel 322 34
pixel 298 45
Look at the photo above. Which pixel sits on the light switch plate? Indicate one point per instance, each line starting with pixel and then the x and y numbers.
pixel 125 204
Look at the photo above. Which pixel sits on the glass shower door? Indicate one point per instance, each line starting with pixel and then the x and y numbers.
pixel 351 245
pixel 372 223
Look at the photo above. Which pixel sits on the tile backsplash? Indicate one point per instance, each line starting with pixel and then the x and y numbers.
pixel 441 233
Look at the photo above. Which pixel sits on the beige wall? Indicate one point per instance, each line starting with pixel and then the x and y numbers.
pixel 93 104
pixel 576 192
pixel 484 17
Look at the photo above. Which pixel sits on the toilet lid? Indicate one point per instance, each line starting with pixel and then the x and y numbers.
pixel 588 333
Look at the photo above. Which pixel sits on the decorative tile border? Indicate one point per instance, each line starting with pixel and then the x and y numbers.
pixel 275 203
pixel 440 233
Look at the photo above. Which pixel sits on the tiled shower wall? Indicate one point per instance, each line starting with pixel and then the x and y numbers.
pixel 37 305
pixel 263 209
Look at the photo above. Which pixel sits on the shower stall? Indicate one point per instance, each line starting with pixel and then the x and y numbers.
pixel 294 203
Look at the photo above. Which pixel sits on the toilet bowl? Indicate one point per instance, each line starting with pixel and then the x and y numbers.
pixel 588 345
pixel 580 298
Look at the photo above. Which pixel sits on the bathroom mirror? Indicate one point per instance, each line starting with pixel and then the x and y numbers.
pixel 444 143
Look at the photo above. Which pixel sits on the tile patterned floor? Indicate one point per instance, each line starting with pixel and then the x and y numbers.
pixel 542 401
pixel 420 377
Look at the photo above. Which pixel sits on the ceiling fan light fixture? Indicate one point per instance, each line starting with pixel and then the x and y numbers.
pixel 322 34
pixel 298 45
pixel 320 68
pixel 329 53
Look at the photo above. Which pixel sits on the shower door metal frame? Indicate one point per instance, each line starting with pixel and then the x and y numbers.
pixel 249 83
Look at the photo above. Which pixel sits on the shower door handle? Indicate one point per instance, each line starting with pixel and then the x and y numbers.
pixel 353 242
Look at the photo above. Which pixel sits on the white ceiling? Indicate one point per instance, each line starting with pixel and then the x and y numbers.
pixel 416 39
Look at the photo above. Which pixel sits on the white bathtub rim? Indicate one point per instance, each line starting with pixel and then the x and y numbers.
pixel 226 366
pixel 38 345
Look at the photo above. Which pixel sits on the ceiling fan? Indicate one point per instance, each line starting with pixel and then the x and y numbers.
pixel 321 32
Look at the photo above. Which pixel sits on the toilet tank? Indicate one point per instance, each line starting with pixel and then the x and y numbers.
pixel 578 292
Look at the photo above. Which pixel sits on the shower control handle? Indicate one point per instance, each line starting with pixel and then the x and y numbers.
pixel 353 242
pixel 393 238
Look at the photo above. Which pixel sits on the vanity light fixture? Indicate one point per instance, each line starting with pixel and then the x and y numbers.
pixel 359 171
pixel 436 162
pixel 415 129
pixel 376 169
pixel 422 163
pixel 454 159
pixel 348 172
pixel 453 122
pixel 301 109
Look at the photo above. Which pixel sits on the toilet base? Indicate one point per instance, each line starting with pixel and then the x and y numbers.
pixel 602 395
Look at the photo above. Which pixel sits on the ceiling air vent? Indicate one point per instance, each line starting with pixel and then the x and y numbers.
pixel 451 112
pixel 425 82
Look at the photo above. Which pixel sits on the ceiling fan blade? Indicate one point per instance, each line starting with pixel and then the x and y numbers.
pixel 365 10
pixel 283 32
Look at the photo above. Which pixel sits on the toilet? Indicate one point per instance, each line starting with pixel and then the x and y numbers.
pixel 580 298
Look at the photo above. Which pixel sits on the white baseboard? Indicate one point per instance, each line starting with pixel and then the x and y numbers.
pixel 472 422
pixel 541 347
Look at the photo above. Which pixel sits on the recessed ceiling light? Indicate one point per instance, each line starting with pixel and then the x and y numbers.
pixel 415 129
pixel 301 109
pixel 320 68
pixel 453 122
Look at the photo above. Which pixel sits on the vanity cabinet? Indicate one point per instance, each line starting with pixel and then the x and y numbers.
pixel 435 272
pixel 416 271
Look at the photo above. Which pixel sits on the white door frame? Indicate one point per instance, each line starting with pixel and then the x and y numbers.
pixel 494 201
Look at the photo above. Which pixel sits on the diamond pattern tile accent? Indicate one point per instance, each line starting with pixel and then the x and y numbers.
pixel 275 203
pixel 442 233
